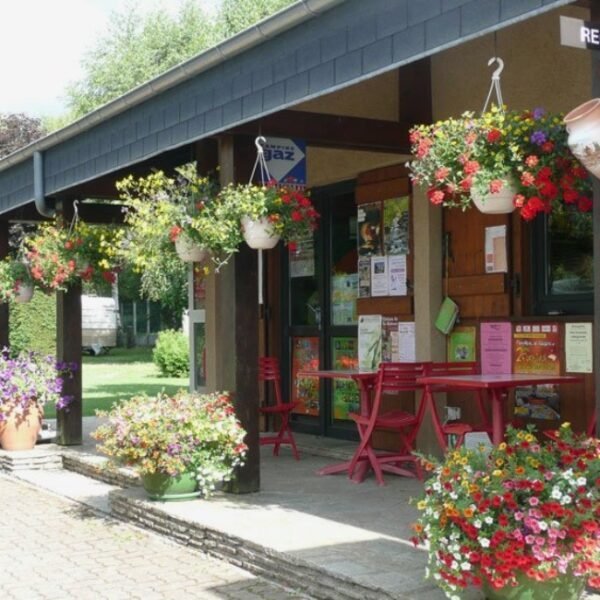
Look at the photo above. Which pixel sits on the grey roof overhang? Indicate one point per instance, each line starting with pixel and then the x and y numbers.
pixel 310 49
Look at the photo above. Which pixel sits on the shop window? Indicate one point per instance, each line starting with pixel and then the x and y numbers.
pixel 563 263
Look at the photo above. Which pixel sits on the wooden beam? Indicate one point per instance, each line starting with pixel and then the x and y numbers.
pixel 68 349
pixel 332 131
pixel 3 307
pixel 414 92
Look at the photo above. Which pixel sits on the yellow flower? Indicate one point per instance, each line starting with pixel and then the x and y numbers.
pixel 502 446
pixel 499 462
pixel 497 473
pixel 422 505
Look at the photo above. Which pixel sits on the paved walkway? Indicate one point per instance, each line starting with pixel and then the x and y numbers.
pixel 54 549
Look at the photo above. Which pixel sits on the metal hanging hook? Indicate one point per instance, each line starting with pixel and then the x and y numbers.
pixel 499 69
pixel 259 142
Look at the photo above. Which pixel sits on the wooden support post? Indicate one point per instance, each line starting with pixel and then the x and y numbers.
pixel 68 349
pixel 3 307
pixel 594 16
pixel 232 336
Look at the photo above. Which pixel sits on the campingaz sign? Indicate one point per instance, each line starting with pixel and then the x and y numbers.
pixel 286 161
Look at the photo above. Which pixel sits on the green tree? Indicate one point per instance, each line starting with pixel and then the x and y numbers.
pixel 236 15
pixel 137 48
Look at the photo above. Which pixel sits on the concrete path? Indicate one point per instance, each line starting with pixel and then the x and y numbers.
pixel 52 548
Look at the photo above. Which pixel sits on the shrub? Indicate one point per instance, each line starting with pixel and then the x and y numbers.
pixel 32 326
pixel 171 353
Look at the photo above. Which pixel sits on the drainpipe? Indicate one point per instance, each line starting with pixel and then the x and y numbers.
pixel 38 186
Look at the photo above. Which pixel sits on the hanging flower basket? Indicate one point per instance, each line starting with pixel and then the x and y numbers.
pixel 259 233
pixel 189 251
pixel 24 293
pixel 583 125
pixel 496 203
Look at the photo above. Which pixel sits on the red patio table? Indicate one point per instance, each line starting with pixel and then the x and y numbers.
pixel 497 387
pixel 365 380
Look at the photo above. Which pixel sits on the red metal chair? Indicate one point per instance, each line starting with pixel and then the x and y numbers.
pixel 268 370
pixel 455 429
pixel 392 378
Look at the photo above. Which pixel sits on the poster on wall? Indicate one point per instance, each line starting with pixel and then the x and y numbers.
pixel 397 275
pixel 537 402
pixel 496 348
pixel 407 348
pixel 364 277
pixel 344 356
pixel 396 221
pixel 578 347
pixel 379 276
pixel 369 341
pixel 343 298
pixel 302 260
pixel 305 391
pixel 390 350
pixel 536 349
pixel 461 344
pixel 495 249
pixel 368 224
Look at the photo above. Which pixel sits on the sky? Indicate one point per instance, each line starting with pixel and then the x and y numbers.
pixel 43 42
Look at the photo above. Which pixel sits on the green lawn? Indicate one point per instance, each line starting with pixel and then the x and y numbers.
pixel 118 375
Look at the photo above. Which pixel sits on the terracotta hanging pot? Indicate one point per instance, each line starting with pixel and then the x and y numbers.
pixel 24 293
pixel 189 251
pixel 498 203
pixel 20 431
pixel 583 125
pixel 259 233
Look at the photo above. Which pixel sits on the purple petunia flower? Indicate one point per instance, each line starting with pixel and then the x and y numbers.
pixel 538 137
pixel 538 113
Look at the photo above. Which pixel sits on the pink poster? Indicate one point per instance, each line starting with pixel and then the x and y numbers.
pixel 496 348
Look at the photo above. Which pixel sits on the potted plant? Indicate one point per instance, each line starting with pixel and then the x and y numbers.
pixel 268 213
pixel 28 382
pixel 182 446
pixel 521 520
pixel 167 214
pixel 500 161
pixel 16 283
pixel 58 255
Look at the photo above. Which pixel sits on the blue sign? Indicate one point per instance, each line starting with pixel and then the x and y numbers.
pixel 286 161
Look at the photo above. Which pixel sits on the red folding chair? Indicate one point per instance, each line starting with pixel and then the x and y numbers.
pixel 392 378
pixel 455 429
pixel 268 370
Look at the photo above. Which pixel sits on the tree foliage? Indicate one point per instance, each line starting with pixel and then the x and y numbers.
pixel 18 130
pixel 236 15
pixel 138 47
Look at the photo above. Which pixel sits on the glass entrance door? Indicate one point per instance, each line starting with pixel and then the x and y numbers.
pixel 320 310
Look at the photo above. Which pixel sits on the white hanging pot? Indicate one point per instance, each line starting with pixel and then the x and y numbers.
pixel 259 234
pixel 24 293
pixel 498 203
pixel 189 251
pixel 583 125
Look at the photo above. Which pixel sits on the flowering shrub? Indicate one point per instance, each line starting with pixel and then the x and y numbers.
pixel 13 275
pixel 58 255
pixel 31 378
pixel 527 149
pixel 291 213
pixel 188 432
pixel 524 510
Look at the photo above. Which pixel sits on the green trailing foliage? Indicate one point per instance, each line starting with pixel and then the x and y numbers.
pixel 171 353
